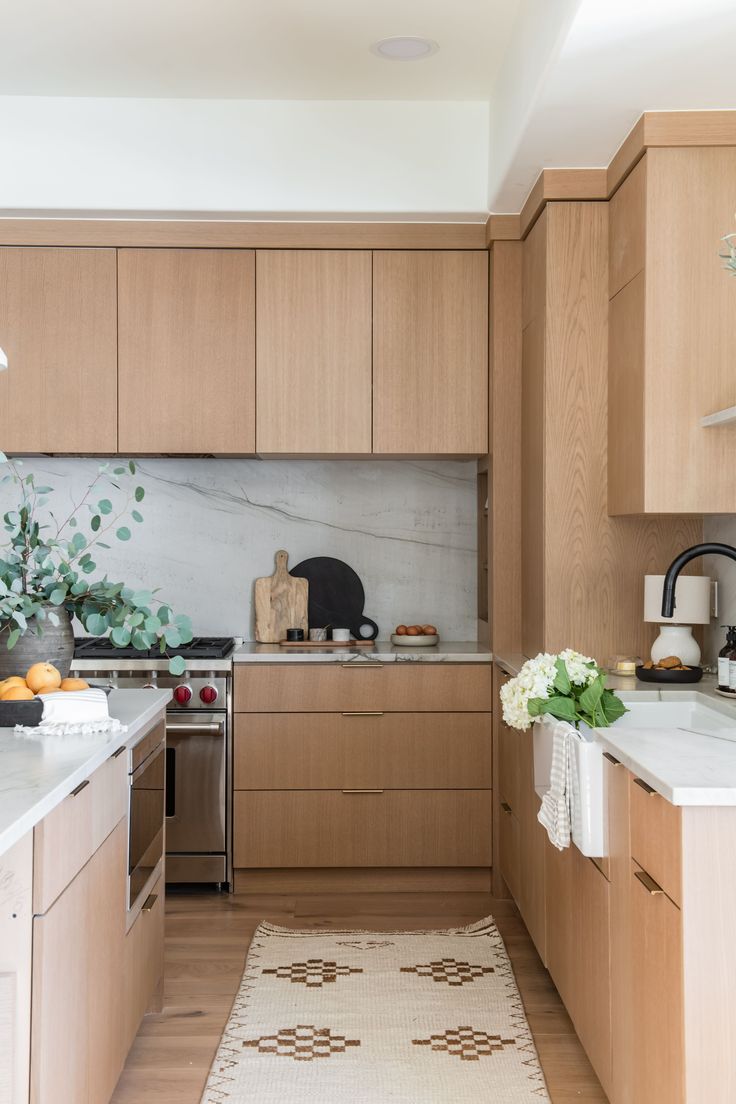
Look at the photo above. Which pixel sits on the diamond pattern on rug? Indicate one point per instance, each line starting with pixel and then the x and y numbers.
pixel 303 1043
pixel 314 973
pixel 466 1043
pixel 365 944
pixel 450 971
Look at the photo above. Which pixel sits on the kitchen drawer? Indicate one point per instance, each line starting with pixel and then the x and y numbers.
pixel 323 828
pixel 509 768
pixel 334 751
pixel 656 834
pixel 68 837
pixel 144 961
pixel 337 687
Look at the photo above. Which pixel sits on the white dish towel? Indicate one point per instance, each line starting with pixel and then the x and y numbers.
pixel 74 713
pixel 558 809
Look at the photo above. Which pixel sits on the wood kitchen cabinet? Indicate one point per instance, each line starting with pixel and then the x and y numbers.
pixel 16 940
pixel 430 352
pixel 186 321
pixel 672 335
pixel 78 1045
pixel 58 331
pixel 313 352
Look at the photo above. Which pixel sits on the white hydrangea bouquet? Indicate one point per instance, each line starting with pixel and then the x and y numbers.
pixel 568 686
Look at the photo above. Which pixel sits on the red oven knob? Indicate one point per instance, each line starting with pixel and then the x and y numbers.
pixel 182 694
pixel 208 694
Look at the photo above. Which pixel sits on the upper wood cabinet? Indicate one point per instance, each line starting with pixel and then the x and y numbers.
pixel 186 350
pixel 313 351
pixel 672 335
pixel 430 352
pixel 58 331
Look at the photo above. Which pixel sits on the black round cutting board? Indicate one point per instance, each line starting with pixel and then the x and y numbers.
pixel 336 596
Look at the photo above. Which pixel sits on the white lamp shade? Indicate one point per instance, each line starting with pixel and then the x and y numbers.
pixel 692 600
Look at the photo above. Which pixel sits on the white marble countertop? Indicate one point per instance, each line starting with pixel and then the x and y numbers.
pixel 37 773
pixel 450 651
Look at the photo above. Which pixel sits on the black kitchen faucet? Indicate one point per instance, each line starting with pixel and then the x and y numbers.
pixel 668 589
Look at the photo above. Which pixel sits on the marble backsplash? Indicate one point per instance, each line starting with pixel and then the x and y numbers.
pixel 212 526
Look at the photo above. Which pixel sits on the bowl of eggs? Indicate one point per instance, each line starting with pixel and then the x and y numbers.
pixel 415 636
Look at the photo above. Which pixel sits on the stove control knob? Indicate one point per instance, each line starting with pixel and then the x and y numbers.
pixel 208 694
pixel 182 695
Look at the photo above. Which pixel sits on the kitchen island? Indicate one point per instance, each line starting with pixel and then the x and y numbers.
pixel 78 965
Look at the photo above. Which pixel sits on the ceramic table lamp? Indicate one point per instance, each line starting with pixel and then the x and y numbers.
pixel 692 607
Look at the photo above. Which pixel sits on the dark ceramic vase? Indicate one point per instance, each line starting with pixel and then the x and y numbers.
pixel 54 645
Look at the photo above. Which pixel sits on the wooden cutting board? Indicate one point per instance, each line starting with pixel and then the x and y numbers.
pixel 282 603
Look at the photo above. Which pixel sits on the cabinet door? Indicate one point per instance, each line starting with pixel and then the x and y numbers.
pixel 186 350
pixel 144 962
pixel 16 926
pixel 78 1045
pixel 657 1044
pixel 58 331
pixel 313 351
pixel 532 845
pixel 430 352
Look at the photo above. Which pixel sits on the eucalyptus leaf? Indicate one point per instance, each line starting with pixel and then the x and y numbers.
pixel 177 666
pixel 123 533
pixel 139 494
pixel 104 506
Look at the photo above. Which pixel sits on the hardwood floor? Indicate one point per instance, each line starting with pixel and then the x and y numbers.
pixel 207 937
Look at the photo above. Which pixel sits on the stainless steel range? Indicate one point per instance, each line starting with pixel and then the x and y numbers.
pixel 198 745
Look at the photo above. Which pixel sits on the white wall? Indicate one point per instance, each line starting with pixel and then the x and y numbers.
pixel 243 156
pixel 212 526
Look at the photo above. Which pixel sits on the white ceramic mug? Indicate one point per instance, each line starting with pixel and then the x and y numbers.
pixel 341 634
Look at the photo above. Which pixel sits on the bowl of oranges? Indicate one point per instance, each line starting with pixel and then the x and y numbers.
pixel 21 696
pixel 415 636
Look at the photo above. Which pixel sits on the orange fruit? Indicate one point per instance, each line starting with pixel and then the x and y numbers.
pixel 14 680
pixel 42 674
pixel 51 688
pixel 17 693
pixel 74 684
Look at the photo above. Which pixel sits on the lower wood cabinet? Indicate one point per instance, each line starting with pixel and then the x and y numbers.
pixel 143 959
pixel 325 828
pixel 16 935
pixel 78 1046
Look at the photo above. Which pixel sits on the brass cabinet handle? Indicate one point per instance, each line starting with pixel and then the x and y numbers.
pixel 364 713
pixel 362 791
pixel 648 790
pixel 118 753
pixel 505 806
pixel 648 882
pixel 611 759
pixel 149 902
pixel 362 665
pixel 78 789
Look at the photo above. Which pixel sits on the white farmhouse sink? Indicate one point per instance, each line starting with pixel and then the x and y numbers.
pixel 688 711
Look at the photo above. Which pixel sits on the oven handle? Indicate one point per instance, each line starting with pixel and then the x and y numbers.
pixel 217 728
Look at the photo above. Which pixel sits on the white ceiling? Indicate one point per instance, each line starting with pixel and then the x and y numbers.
pixel 618 60
pixel 251 49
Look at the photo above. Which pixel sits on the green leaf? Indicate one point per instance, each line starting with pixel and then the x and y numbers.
pixel 562 679
pixel 120 636
pixel 13 639
pixel 152 625
pixel 57 595
pixel 136 515
pixel 136 619
pixel 131 467
pixel 95 523
pixel 172 637
pixel 95 624
pixel 591 696
pixel 104 506
pixel 613 707
pixel 562 708
pixel 177 666
pixel 118 471
pixel 20 620
pixel 140 494
pixel 123 533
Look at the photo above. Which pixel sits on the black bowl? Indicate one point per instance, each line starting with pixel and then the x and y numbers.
pixel 652 674
pixel 26 713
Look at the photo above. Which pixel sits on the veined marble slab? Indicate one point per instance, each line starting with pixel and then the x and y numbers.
pixel 451 652
pixel 211 527
pixel 37 773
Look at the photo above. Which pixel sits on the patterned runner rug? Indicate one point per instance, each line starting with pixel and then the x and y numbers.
pixel 337 1017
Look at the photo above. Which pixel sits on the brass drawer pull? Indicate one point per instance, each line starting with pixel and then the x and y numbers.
pixel 364 713
pixel 648 882
pixel 648 790
pixel 118 753
pixel 362 791
pixel 611 759
pixel 362 665
pixel 505 806
pixel 149 902
pixel 78 789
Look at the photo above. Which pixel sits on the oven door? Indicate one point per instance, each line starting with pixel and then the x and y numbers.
pixel 146 822
pixel 195 784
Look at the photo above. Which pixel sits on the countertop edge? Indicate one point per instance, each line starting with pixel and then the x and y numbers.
pixel 450 651
pixel 46 804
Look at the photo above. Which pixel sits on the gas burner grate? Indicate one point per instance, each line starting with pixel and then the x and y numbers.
pixel 201 647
